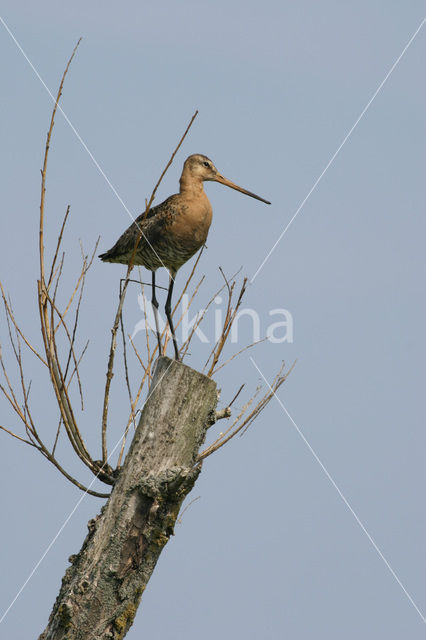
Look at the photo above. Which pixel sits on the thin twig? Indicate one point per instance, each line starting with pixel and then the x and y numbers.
pixel 47 309
pixel 9 312
pixel 58 430
pixel 231 432
pixel 71 338
pixel 226 284
pixel 229 319
pixel 126 369
pixel 44 169
pixel 76 288
pixel 236 395
pixel 179 520
pixel 18 437
pixel 78 364
pixel 238 353
pixel 61 233
pixel 170 161
pixel 148 348
pixel 184 348
pixel 109 374
pixel 74 332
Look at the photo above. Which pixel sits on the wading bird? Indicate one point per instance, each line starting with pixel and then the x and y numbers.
pixel 171 232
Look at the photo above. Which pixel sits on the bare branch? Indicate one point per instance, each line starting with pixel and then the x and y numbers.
pixel 58 430
pixel 238 353
pixel 18 437
pixel 78 484
pixel 236 395
pixel 151 200
pixel 235 428
pixel 223 413
pixel 229 319
pixel 186 344
pixel 76 288
pixel 71 339
pixel 225 285
pixel 61 233
pixel 126 369
pixel 9 313
pixel 44 169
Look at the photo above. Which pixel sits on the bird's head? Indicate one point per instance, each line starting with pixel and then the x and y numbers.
pixel 202 168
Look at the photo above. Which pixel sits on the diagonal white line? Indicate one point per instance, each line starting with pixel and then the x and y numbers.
pixel 330 162
pixel 50 545
pixel 80 139
pixel 341 494
pixel 78 503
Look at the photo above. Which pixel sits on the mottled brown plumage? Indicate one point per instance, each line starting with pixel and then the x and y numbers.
pixel 173 230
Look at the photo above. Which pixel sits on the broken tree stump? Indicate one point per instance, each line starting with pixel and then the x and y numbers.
pixel 102 588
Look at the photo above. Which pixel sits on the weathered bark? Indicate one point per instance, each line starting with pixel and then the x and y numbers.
pixel 102 588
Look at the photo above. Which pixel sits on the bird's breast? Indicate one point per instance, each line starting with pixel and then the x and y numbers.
pixel 193 221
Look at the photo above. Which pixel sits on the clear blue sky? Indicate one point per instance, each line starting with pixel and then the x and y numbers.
pixel 270 550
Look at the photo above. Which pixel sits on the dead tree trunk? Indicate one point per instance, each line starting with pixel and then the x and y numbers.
pixel 102 588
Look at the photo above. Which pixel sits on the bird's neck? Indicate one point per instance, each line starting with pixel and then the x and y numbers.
pixel 190 185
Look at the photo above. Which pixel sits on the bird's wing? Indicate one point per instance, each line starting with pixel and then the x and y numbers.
pixel 151 225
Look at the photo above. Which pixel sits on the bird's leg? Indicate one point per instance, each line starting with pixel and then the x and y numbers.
pixel 168 310
pixel 154 303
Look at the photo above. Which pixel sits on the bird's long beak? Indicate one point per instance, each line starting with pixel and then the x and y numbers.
pixel 228 183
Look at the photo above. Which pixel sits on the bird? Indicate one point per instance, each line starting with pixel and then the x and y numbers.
pixel 173 231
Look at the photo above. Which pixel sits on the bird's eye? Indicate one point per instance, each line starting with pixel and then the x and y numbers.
pixel 206 164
